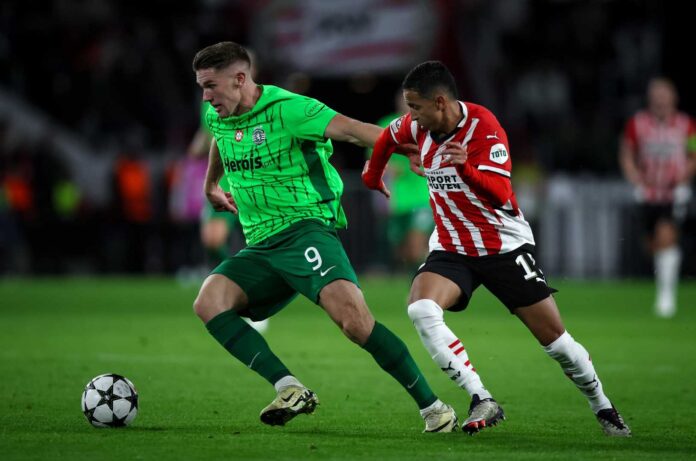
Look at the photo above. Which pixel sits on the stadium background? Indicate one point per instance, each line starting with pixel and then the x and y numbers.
pixel 87 84
pixel 87 286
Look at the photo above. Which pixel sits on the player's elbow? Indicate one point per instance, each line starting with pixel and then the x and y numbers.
pixel 500 196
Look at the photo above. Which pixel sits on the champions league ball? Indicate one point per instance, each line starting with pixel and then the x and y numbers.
pixel 110 400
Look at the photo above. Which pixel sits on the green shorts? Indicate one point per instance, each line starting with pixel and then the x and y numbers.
pixel 208 214
pixel 419 219
pixel 303 258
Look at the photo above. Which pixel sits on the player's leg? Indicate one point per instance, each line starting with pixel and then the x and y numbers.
pixel 667 260
pixel 316 265
pixel 346 306
pixel 219 304
pixel 216 229
pixel 431 294
pixel 544 321
pixel 214 234
pixel 517 280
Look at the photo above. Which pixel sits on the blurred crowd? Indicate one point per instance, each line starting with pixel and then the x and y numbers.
pixel 116 76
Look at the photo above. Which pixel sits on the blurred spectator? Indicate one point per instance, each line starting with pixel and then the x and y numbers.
pixel 410 220
pixel 658 157
pixel 134 209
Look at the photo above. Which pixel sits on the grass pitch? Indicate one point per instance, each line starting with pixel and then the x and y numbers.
pixel 196 402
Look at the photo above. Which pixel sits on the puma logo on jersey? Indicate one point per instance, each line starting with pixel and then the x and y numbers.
pixel 492 136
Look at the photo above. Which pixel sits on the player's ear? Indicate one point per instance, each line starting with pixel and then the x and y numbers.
pixel 240 78
pixel 440 102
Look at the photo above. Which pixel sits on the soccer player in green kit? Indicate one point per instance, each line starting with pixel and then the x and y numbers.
pixel 273 146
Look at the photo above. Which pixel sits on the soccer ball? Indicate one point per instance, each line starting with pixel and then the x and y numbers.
pixel 110 400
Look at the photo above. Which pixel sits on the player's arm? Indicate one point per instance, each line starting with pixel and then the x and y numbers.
pixel 342 128
pixel 628 154
pixel 217 197
pixel 374 168
pixel 690 169
pixel 493 186
pixel 200 144
pixel 627 160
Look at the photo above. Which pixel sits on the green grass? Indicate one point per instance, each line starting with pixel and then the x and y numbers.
pixel 196 402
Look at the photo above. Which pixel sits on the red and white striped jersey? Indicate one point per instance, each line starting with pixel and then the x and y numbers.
pixel 466 219
pixel 661 151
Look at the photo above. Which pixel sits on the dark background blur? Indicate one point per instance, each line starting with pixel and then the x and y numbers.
pixel 98 101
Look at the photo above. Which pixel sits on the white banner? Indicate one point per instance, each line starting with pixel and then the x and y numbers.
pixel 338 37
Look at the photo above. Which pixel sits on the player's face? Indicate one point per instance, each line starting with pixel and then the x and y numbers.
pixel 222 88
pixel 661 98
pixel 426 112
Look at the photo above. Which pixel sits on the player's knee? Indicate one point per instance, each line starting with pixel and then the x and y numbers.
pixel 423 309
pixel 665 235
pixel 205 307
pixel 357 322
pixel 199 306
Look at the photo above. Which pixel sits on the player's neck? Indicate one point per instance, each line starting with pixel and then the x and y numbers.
pixel 453 115
pixel 250 95
pixel 663 116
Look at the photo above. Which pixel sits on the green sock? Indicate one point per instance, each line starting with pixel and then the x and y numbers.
pixel 247 345
pixel 391 354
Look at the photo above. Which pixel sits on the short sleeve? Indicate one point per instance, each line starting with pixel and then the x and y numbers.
pixel 306 118
pixel 488 149
pixel 630 135
pixel 403 130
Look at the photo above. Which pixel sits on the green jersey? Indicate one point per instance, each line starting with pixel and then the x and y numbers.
pixel 276 161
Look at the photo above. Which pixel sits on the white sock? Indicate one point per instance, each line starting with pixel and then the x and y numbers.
pixel 577 365
pixel 436 404
pixel 261 326
pixel 286 381
pixel 444 347
pixel 667 263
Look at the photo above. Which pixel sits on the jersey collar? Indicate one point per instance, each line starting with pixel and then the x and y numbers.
pixel 462 122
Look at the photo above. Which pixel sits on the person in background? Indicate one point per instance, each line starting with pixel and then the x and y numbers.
pixel 410 221
pixel 658 157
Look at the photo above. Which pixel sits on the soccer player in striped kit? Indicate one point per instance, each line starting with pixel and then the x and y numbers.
pixel 658 157
pixel 480 238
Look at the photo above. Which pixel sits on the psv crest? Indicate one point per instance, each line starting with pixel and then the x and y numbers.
pixel 258 135
pixel 238 135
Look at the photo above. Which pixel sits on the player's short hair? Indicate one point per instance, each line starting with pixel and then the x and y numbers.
pixel 220 55
pixel 429 76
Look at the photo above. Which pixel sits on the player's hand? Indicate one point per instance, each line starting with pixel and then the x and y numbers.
pixel 413 153
pixel 370 182
pixel 455 153
pixel 221 200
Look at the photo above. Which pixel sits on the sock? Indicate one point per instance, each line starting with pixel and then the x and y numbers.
pixel 667 262
pixel 247 345
pixel 286 381
pixel 444 347
pixel 436 404
pixel 577 365
pixel 392 356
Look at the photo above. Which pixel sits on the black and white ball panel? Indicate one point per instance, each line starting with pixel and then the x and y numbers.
pixel 110 400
